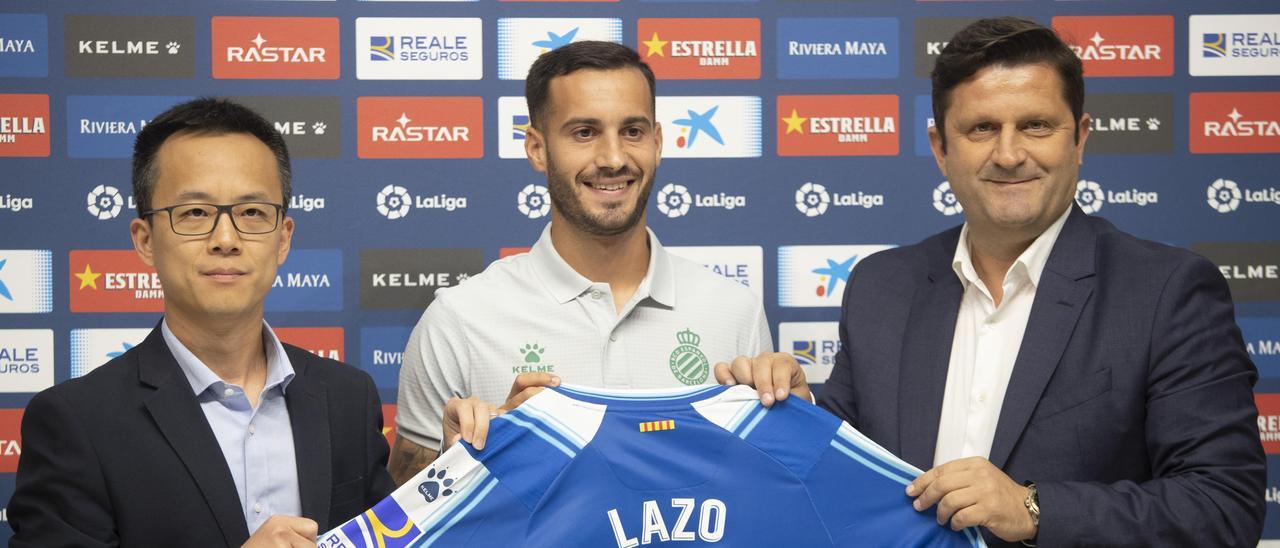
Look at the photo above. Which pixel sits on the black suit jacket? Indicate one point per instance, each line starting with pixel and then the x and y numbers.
pixel 125 457
pixel 1130 404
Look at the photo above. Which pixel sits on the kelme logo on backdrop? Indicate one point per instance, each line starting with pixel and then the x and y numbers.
pixel 26 360
pixel 90 348
pixel 1235 123
pixel 26 281
pixel 700 49
pixel 837 125
pixel 1130 123
pixel 24 125
pixel 710 127
pixel 419 48
pixel 276 48
pixel 522 40
pixel 838 48
pixel 1120 45
pixel 409 278
pixel 311 126
pixel 109 280
pixel 311 279
pixel 1252 269
pixel 24 45
pixel 420 127
pixel 105 126
pixel 326 342
pixel 815 275
pixel 932 34
pixel 1234 45
pixel 129 46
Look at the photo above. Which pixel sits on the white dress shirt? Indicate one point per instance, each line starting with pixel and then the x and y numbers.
pixel 985 346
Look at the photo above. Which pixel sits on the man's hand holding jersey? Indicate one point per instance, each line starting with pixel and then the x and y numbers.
pixel 774 375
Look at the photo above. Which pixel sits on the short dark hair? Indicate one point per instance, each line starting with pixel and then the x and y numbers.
pixel 1008 41
pixel 588 54
pixel 206 115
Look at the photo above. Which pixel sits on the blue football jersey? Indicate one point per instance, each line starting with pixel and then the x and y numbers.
pixel 693 466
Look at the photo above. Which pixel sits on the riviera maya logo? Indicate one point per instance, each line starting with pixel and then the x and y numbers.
pixel 688 363
pixel 533 201
pixel 674 200
pixel 1224 195
pixel 436 486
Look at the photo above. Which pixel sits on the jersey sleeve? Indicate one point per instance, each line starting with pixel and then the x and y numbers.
pixel 431 374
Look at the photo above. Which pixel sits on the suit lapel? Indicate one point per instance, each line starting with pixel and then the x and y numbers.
pixel 178 416
pixel 308 406
pixel 1065 287
pixel 926 356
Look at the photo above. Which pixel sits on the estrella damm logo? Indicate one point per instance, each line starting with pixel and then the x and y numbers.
pixel 276 48
pixel 658 426
pixel 1235 123
pixel 838 125
pixel 111 280
pixel 1269 421
pixel 688 363
pixel 1120 45
pixel 700 49
pixel 420 127
pixel 24 124
pixel 325 342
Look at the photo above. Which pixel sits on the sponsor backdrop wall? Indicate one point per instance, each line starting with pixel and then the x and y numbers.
pixel 795 146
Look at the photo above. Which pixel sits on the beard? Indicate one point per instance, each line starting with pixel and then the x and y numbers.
pixel 615 220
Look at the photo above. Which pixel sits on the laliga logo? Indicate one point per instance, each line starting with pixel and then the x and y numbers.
pixel 105 202
pixel 674 200
pixel 944 200
pixel 1224 195
pixel 393 202
pixel 533 201
pixel 812 199
pixel 1089 196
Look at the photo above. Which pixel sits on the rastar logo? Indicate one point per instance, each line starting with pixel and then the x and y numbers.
pixel 326 342
pixel 837 125
pixel 10 439
pixel 742 264
pixel 24 122
pixel 113 281
pixel 420 127
pixel 1235 123
pixel 700 49
pixel 26 360
pixel 1123 45
pixel 1269 421
pixel 276 48
pixel 24 45
pixel 1234 45
pixel 813 199
pixel 522 40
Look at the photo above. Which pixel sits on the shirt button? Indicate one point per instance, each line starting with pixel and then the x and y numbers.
pixel 595 294
pixel 252 430
pixel 229 392
pixel 257 508
pixel 982 398
pixel 613 337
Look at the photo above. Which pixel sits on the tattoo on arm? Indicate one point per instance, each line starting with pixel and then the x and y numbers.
pixel 407 459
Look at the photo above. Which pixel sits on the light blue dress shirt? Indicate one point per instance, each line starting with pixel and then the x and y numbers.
pixel 257 442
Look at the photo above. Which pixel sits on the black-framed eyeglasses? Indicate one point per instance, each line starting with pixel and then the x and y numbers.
pixel 201 219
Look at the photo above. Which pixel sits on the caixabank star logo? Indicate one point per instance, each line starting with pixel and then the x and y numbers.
pixel 26 281
pixel 837 125
pixel 521 40
pixel 1235 123
pixel 113 280
pixel 700 49
pixel 1120 45
pixel 276 48
pixel 710 127
pixel 24 124
pixel 91 348
pixel 420 127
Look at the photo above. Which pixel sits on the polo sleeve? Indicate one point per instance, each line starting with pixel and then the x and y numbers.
pixel 433 371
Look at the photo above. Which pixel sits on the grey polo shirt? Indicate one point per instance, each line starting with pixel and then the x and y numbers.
pixel 533 312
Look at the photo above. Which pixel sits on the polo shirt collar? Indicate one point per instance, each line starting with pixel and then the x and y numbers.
pixel 201 378
pixel 566 284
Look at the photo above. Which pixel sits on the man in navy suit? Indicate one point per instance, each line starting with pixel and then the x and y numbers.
pixel 211 432
pixel 1062 382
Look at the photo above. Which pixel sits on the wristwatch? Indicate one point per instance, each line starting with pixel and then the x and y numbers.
pixel 1032 502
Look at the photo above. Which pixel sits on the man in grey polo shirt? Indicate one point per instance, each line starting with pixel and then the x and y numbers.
pixel 597 301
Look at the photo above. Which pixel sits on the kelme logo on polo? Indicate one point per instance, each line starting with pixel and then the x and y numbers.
pixel 1234 45
pixel 1252 269
pixel 105 126
pixel 109 280
pixel 311 126
pixel 419 48
pixel 409 278
pixel 837 125
pixel 90 348
pixel 24 125
pixel 1226 195
pixel 710 127
pixel 814 346
pixel 26 281
pixel 1130 123
pixel 533 201
pixel 532 360
pixel 700 49
pixel 813 199
pixel 838 48
pixel 24 45
pixel 944 200
pixel 522 40
pixel 420 127
pixel 1235 123
pixel 129 46
pixel 276 48
pixel 26 360
pixel 1120 45
pixel 688 363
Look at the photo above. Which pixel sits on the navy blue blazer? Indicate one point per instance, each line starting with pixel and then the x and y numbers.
pixel 125 457
pixel 1130 404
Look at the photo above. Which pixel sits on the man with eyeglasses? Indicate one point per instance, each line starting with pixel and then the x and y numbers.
pixel 211 431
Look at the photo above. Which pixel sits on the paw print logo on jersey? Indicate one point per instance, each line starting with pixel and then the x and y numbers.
pixel 437 485
pixel 1089 196
pixel 173 48
pixel 532 353
pixel 1224 195
pixel 812 199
